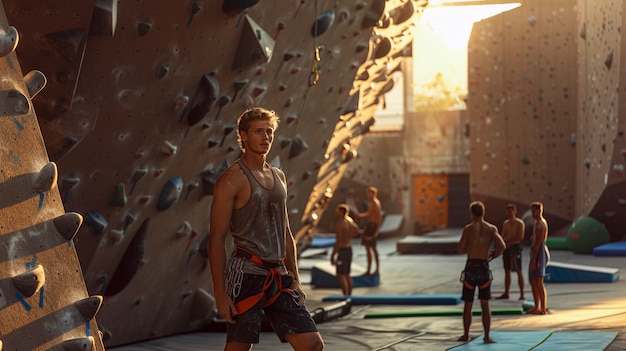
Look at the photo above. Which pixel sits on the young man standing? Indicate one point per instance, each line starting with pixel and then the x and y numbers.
pixel 539 258
pixel 476 240
pixel 262 274
pixel 341 257
pixel 513 234
pixel 370 234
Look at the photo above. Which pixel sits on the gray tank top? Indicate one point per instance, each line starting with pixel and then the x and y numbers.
pixel 260 226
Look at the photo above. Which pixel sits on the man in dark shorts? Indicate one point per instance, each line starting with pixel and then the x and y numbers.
pixel 341 257
pixel 513 234
pixel 374 220
pixel 476 240
pixel 261 277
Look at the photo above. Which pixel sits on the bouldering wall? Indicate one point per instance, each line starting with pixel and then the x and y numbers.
pixel 544 105
pixel 140 114
pixel 523 109
pixel 601 122
pixel 44 303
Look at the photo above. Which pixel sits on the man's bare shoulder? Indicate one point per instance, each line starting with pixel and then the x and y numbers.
pixel 233 176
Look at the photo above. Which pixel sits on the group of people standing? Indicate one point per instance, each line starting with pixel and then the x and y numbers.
pixel 261 279
pixel 482 243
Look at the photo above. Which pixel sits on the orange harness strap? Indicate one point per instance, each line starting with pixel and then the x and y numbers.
pixel 273 275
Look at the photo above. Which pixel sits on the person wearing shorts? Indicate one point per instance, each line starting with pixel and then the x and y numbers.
pixel 476 241
pixel 261 277
pixel 374 220
pixel 513 234
pixel 539 257
pixel 341 257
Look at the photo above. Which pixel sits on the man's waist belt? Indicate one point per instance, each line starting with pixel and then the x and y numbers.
pixel 248 256
pixel 273 276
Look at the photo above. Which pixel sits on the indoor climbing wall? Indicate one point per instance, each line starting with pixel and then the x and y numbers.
pixel 601 156
pixel 44 304
pixel 523 108
pixel 140 118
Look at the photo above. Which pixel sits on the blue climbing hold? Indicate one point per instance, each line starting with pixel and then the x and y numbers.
pixel 170 193
pixel 96 221
pixel 323 23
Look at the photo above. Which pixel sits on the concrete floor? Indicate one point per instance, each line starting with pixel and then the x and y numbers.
pixel 573 306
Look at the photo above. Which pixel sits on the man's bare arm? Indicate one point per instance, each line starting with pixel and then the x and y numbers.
pixel 221 209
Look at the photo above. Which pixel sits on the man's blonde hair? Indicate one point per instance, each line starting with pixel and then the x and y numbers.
pixel 255 114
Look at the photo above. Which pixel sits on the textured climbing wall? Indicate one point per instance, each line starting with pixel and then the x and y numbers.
pixel 44 304
pixel 601 157
pixel 522 107
pixel 140 115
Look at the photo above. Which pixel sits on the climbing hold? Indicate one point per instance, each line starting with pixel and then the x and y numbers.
pixel 227 130
pixel 69 43
pixel 353 103
pixel 8 41
pixel 343 15
pixel 169 148
pixel 29 283
pixel 525 159
pixel 181 103
pixel 144 28
pixel 255 46
pixel 289 102
pixel 137 175
pixel 298 146
pixel 203 305
pixel 128 220
pixel 609 60
pixel 279 28
pixel 13 103
pixel 239 85
pixel 387 87
pixel 96 221
pixel 212 143
pixel 79 344
pixel 118 199
pixel 619 169
pixel 323 23
pixel 532 20
pixel 89 307
pixel 235 7
pixel 306 175
pixel 402 13
pixel 291 118
pixel 583 31
pixel 224 100
pixel 162 70
pixel 46 178
pixel 68 183
pixel 382 48
pixel 184 229
pixel 284 142
pixel 195 9
pixel 170 193
pixel 116 234
pixel 286 57
pixel 204 98
pixel 209 177
pixel 258 91
pixel 67 225
pixel 104 18
pixel 35 81
pixel 190 187
pixel 373 14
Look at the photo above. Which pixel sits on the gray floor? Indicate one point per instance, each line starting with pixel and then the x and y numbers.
pixel 573 306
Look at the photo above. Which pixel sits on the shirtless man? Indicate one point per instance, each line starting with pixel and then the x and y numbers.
pixel 370 234
pixel 513 234
pixel 539 258
pixel 341 257
pixel 476 241
pixel 261 277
